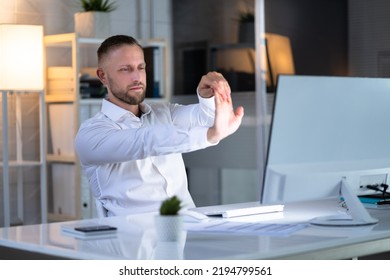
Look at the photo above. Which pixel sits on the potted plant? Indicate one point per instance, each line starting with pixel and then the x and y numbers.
pixel 94 19
pixel 246 32
pixel 169 222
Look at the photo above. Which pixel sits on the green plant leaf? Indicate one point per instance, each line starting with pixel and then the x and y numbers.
pixel 97 5
pixel 247 17
pixel 170 206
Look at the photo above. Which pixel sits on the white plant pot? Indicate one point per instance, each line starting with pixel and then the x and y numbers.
pixel 169 228
pixel 92 24
pixel 169 250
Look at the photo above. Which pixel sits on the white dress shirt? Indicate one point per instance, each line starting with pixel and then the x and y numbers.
pixel 134 163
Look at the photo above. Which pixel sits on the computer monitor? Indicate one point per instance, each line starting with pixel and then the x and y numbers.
pixel 324 129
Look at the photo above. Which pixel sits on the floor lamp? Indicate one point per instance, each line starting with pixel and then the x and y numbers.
pixel 279 58
pixel 21 71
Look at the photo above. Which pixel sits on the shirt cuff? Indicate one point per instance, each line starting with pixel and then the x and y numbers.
pixel 209 103
pixel 198 136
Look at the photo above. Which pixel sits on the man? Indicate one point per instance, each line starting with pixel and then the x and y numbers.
pixel 131 151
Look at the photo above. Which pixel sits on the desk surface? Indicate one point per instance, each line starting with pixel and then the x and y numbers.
pixel 137 239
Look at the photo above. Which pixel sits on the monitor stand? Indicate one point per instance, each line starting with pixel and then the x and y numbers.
pixel 356 215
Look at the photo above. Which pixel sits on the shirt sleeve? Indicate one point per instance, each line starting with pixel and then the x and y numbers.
pixel 101 141
pixel 201 114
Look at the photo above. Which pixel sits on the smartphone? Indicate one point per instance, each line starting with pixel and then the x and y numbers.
pixel 97 228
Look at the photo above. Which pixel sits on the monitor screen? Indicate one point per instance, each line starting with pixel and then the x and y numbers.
pixel 324 129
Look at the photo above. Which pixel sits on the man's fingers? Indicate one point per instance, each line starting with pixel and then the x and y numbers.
pixel 240 111
pixel 217 83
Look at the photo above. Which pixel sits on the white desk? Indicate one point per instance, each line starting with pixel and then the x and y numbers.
pixel 136 239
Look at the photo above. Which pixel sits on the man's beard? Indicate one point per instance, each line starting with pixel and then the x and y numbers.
pixel 124 96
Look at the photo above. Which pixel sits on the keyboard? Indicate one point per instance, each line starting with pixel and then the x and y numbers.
pixel 243 211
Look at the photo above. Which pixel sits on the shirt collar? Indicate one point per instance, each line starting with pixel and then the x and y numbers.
pixel 116 113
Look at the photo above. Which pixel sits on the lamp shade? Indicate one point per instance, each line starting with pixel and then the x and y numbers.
pixel 21 57
pixel 280 57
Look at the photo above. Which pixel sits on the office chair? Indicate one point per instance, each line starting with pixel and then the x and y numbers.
pixel 100 210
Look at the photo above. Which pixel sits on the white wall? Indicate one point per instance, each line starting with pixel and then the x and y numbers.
pixel 141 19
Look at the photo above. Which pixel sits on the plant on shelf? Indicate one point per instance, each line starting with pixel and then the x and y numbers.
pixel 171 206
pixel 94 19
pixel 246 32
pixel 97 5
pixel 245 17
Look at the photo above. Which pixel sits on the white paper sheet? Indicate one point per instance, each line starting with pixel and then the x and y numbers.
pixel 226 226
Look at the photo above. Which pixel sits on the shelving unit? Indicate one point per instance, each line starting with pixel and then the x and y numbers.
pixel 14 158
pixel 68 56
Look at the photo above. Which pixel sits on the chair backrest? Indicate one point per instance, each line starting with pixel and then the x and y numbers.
pixel 100 210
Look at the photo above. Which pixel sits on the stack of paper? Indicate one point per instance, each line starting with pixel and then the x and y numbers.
pixel 225 226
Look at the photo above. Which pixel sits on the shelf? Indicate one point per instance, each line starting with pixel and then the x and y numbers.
pixel 60 98
pixel 91 101
pixel 60 159
pixel 65 39
pixel 59 217
pixel 23 163
pixel 232 46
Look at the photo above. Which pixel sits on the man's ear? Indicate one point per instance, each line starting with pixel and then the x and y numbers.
pixel 101 75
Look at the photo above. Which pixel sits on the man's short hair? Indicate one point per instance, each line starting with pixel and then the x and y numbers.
pixel 113 42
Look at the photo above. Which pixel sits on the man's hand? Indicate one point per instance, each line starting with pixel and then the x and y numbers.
pixel 227 121
pixel 212 83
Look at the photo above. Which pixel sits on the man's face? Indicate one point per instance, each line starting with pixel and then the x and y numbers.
pixel 125 75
